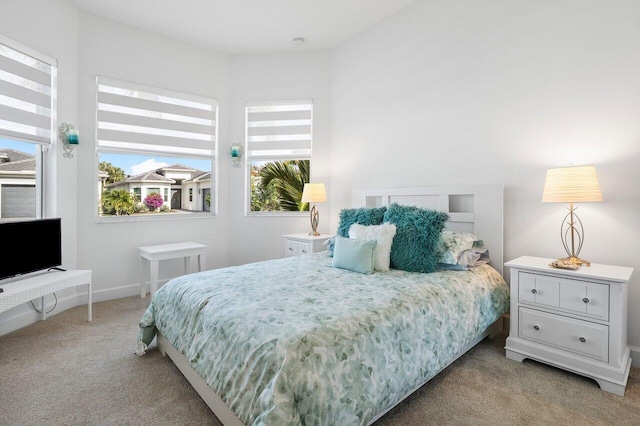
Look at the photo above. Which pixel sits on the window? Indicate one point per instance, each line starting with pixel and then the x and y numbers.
pixel 278 141
pixel 27 121
pixel 153 141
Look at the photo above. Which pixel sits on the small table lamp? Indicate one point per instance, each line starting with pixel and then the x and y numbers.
pixel 572 185
pixel 314 193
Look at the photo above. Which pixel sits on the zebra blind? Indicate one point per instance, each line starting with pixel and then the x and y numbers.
pixel 27 93
pixel 141 119
pixel 279 129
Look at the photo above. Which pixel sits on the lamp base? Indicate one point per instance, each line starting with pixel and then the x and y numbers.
pixel 575 261
pixel 315 219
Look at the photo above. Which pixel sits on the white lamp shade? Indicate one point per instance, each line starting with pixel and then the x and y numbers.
pixel 571 185
pixel 314 193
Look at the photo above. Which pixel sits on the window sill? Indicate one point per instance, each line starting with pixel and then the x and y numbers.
pixel 154 217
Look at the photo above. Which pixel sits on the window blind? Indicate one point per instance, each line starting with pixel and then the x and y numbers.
pixel 279 130
pixel 141 119
pixel 27 93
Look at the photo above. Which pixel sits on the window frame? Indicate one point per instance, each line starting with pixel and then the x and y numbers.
pixel 249 159
pixel 45 161
pixel 213 157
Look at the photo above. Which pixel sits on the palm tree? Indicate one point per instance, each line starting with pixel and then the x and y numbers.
pixel 116 174
pixel 287 178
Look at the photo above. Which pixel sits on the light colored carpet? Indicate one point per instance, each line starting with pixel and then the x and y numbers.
pixel 67 371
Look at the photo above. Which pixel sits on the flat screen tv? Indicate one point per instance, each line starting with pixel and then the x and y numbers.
pixel 30 246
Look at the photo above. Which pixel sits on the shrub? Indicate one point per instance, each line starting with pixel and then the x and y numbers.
pixel 154 201
pixel 117 202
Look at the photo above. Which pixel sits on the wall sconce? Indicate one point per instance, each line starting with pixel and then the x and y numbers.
pixel 69 136
pixel 235 151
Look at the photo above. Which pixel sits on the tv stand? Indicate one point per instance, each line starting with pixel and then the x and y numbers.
pixel 37 286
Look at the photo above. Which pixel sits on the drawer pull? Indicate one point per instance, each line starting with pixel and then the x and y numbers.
pixel 536 327
pixel 304 251
pixel 534 291
pixel 583 340
pixel 290 248
pixel 586 300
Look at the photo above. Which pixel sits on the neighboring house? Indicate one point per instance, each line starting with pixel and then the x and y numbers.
pixel 181 187
pixel 17 184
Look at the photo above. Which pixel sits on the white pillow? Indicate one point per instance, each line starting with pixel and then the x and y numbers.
pixel 383 234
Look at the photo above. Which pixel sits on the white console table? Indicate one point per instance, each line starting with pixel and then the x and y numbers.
pixel 154 254
pixel 37 286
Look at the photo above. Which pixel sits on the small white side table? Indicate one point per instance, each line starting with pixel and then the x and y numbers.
pixel 574 320
pixel 297 244
pixel 154 254
pixel 37 286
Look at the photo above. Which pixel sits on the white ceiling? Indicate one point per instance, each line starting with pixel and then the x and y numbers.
pixel 239 27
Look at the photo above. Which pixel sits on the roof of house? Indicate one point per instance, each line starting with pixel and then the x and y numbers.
pixel 12 160
pixel 200 176
pixel 146 177
pixel 156 176
pixel 178 168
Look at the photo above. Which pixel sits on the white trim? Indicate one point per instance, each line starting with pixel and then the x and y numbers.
pixel 107 81
pixel 28 51
pixel 270 102
pixel 635 356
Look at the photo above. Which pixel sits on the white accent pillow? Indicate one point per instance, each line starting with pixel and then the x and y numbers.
pixel 383 234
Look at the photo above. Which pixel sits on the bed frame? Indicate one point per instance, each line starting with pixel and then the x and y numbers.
pixel 471 208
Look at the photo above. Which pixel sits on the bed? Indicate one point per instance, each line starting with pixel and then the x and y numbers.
pixel 298 341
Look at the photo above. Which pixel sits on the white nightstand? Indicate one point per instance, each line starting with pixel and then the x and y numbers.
pixel 571 319
pixel 297 244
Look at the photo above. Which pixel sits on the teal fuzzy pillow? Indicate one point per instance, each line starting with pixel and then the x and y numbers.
pixel 354 255
pixel 415 245
pixel 364 216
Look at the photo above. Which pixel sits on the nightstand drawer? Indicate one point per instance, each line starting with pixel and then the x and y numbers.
pixel 568 295
pixel 579 337
pixel 299 244
pixel 295 248
pixel 291 248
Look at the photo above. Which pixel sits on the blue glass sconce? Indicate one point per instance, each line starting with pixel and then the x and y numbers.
pixel 235 151
pixel 69 136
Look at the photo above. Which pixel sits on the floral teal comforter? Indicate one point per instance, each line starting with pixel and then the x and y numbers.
pixel 294 341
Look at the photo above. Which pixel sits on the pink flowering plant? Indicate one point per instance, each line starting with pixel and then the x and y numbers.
pixel 153 201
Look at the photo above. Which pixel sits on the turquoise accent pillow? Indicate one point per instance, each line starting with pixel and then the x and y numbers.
pixel 415 246
pixel 354 255
pixel 363 216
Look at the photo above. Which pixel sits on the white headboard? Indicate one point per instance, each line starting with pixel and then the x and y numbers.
pixel 471 208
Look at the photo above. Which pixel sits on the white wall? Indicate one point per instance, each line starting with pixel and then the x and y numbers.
pixel 497 92
pixel 52 30
pixel 276 77
pixel 118 51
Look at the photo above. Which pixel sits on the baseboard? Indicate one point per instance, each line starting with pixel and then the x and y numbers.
pixel 635 356
pixel 24 315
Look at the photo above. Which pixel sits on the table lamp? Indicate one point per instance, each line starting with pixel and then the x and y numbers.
pixel 314 193
pixel 572 185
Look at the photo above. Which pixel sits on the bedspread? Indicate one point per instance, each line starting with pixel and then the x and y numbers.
pixel 295 341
